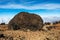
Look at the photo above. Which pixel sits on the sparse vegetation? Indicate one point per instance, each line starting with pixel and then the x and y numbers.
pixel 47 23
pixel 2 24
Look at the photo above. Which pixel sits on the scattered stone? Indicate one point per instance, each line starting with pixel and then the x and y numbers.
pixel 2 36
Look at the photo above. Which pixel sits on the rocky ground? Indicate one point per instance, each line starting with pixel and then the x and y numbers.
pixel 38 35
pixel 52 34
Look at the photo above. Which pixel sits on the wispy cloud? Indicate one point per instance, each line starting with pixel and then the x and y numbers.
pixel 34 7
pixel 4 20
pixel 29 2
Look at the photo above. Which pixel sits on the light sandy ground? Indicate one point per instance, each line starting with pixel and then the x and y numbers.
pixel 52 34
pixel 38 35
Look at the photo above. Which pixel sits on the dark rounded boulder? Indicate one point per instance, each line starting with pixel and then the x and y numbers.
pixel 26 21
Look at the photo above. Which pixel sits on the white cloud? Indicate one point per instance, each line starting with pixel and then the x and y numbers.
pixel 5 19
pixel 47 6
pixel 45 19
pixel 29 2
pixel 51 19
pixel 34 7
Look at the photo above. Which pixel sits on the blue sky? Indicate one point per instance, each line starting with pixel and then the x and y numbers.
pixel 49 10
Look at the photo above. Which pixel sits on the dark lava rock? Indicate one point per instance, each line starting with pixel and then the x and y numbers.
pixel 25 21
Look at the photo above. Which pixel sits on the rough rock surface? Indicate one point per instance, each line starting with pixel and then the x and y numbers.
pixel 26 21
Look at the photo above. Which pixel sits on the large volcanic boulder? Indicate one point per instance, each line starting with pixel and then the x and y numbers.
pixel 25 21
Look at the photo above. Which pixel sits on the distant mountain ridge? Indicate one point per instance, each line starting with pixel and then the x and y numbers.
pixel 51 19
pixel 45 19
